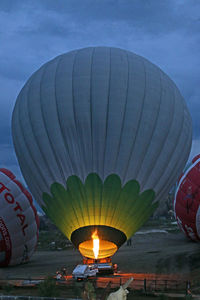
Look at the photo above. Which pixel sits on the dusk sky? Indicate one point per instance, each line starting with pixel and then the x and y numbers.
pixel 166 32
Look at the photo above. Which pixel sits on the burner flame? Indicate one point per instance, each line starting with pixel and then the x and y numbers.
pixel 95 244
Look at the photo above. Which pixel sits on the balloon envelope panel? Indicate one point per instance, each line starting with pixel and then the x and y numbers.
pixel 18 221
pixel 187 200
pixel 100 134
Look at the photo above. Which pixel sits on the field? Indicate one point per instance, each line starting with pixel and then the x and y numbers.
pixel 157 250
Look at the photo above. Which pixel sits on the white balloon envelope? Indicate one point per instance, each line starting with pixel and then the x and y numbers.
pixel 100 134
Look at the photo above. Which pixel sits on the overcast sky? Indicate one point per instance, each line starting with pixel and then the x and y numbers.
pixel 167 32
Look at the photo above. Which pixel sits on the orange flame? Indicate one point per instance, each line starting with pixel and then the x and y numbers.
pixel 95 244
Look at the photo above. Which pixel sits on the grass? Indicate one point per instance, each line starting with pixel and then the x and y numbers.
pixel 76 291
pixel 48 288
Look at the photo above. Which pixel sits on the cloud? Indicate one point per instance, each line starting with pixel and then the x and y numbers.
pixel 9 161
pixel 33 32
pixel 155 17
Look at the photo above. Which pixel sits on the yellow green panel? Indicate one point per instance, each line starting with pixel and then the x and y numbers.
pixel 95 202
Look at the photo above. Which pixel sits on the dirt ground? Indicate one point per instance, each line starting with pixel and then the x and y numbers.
pixel 151 252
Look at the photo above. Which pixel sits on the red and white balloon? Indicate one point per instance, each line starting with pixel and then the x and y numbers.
pixel 187 201
pixel 19 223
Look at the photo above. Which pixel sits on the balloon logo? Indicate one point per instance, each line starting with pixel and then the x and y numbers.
pixel 19 223
pixel 100 134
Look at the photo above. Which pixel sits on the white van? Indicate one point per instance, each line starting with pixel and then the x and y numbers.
pixel 84 271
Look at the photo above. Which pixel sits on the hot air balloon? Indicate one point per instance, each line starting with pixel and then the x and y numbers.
pixel 187 200
pixel 100 134
pixel 18 221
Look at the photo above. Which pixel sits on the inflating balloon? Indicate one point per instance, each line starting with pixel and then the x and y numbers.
pixel 18 221
pixel 187 200
pixel 100 134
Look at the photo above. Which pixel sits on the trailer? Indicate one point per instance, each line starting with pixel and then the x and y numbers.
pixel 103 265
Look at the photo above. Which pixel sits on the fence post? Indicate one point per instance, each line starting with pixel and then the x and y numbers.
pixel 165 285
pixel 145 285
pixel 186 288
